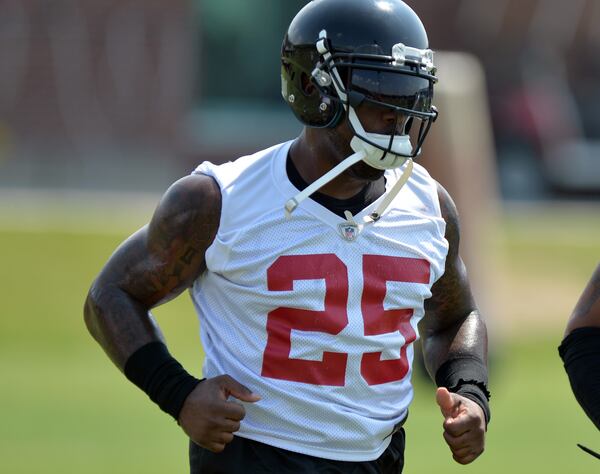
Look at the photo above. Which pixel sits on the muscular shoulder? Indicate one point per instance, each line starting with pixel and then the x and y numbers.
pixel 163 258
pixel 183 226
pixel 190 206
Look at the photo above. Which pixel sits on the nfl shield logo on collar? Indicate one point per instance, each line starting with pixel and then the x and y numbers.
pixel 349 231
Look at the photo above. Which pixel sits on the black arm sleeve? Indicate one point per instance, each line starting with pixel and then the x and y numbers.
pixel 580 352
pixel 468 377
pixel 165 381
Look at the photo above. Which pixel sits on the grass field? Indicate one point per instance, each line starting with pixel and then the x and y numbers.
pixel 65 409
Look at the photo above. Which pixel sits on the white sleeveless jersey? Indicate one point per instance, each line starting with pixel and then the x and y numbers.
pixel 313 314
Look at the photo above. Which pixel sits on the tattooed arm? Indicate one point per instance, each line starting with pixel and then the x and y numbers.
pixel 452 330
pixel 452 325
pixel 151 267
pixel 587 310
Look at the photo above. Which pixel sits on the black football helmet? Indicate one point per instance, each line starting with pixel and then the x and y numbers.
pixel 339 54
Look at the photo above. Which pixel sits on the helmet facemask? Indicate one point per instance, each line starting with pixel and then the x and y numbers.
pixel 400 83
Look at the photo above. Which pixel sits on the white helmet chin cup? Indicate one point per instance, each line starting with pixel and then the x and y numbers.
pixel 377 157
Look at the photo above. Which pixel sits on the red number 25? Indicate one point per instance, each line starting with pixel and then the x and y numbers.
pixel 331 370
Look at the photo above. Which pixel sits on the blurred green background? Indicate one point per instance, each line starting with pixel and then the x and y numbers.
pixel 103 101
pixel 66 409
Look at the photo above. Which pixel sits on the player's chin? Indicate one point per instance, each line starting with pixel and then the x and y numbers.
pixel 362 170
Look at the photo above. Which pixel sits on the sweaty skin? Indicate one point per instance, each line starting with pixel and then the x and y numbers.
pixel 451 327
pixel 165 257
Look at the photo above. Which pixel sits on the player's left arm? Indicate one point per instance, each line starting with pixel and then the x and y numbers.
pixel 580 349
pixel 454 340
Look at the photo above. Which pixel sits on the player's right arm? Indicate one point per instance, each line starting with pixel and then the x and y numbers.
pixel 153 266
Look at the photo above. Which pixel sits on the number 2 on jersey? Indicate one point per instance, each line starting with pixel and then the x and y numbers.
pixel 331 370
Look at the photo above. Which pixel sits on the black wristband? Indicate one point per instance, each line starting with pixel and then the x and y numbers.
pixel 467 376
pixel 580 352
pixel 163 379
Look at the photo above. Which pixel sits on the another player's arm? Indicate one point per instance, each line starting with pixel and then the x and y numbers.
pixel 580 349
pixel 454 340
pixel 587 310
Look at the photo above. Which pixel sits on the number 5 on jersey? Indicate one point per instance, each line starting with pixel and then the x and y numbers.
pixel 331 370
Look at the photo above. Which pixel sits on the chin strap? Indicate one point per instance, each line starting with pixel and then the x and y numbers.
pixel 374 216
pixel 292 204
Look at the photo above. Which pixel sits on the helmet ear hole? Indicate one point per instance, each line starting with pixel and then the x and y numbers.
pixel 308 88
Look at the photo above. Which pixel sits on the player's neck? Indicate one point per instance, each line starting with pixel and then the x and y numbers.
pixel 313 161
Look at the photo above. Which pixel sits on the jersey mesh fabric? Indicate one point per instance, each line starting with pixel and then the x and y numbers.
pixel 343 416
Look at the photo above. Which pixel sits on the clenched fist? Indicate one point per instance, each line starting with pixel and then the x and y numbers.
pixel 209 418
pixel 464 425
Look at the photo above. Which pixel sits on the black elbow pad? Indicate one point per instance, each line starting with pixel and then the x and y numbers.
pixel 580 352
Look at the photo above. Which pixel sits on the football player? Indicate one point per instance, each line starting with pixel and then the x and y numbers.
pixel 314 266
